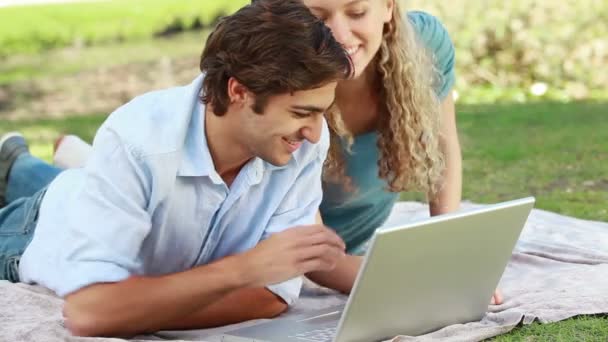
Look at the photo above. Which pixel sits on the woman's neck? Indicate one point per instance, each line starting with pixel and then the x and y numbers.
pixel 364 84
pixel 357 100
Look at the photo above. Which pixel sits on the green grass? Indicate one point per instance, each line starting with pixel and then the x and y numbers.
pixel 31 29
pixel 497 94
pixel 579 329
pixel 550 150
pixel 41 133
pixel 60 62
pixel 557 152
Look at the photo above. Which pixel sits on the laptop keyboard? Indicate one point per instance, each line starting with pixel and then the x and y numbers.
pixel 317 335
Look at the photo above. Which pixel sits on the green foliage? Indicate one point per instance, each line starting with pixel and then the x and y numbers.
pixel 32 29
pixel 509 46
pixel 502 48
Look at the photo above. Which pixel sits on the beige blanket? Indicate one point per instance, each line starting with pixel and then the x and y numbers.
pixel 559 270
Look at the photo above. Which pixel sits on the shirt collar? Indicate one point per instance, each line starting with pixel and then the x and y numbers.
pixel 196 159
pixel 257 167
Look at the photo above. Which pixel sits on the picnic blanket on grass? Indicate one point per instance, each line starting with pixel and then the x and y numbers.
pixel 559 269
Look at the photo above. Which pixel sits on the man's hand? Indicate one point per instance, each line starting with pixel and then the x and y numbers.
pixel 497 298
pixel 294 252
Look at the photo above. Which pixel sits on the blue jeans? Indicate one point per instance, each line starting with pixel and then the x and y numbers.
pixel 27 182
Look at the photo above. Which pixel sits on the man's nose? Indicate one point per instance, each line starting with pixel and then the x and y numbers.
pixel 312 131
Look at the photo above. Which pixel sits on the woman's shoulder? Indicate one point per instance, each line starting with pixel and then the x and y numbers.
pixel 430 29
pixel 435 37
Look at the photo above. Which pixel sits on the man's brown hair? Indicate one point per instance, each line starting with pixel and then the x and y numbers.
pixel 271 47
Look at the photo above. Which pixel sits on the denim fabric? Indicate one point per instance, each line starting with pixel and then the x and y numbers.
pixel 29 175
pixel 17 223
pixel 27 184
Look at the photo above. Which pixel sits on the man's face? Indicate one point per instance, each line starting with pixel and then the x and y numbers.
pixel 286 122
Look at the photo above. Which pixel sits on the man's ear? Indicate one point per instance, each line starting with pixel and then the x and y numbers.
pixel 237 92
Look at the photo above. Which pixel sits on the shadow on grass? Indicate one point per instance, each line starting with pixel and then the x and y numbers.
pixel 557 152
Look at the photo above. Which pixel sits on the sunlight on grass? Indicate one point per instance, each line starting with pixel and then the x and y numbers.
pixel 581 328
pixel 71 61
pixel 509 151
pixel 60 25
pixel 42 151
pixel 557 152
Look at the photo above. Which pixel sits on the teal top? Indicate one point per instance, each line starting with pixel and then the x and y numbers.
pixel 355 215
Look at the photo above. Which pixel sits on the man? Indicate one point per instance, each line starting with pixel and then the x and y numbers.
pixel 162 228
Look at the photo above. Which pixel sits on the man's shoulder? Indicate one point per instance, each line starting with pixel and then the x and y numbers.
pixel 155 122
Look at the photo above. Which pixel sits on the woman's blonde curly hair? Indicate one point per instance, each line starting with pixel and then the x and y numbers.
pixel 409 126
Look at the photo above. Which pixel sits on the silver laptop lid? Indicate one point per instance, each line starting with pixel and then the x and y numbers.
pixel 425 275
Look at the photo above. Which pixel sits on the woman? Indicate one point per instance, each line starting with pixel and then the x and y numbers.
pixel 394 127
pixel 400 118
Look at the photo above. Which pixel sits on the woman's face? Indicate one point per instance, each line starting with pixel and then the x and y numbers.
pixel 357 24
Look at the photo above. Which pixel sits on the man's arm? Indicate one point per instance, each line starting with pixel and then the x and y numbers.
pixel 237 306
pixel 146 304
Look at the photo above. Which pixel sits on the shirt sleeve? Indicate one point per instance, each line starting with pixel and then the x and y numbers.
pixel 299 207
pixel 434 36
pixel 107 219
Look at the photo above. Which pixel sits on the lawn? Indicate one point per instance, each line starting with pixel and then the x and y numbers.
pixel 68 61
pixel 59 25
pixel 555 151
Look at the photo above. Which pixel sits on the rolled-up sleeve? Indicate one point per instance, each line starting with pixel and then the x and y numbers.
pixel 106 217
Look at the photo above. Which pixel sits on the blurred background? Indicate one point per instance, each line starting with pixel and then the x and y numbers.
pixel 518 51
pixel 531 91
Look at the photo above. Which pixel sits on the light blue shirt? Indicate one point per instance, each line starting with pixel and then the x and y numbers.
pixel 150 202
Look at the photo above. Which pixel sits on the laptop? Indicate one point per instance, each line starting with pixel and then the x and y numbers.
pixel 416 278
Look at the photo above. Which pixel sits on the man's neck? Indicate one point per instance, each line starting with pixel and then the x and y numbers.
pixel 228 154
